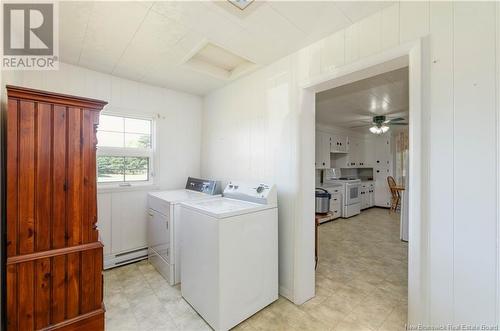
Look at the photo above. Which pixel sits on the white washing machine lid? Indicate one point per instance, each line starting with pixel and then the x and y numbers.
pixel 225 207
pixel 178 196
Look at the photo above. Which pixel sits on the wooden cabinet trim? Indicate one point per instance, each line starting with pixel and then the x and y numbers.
pixel 51 97
pixel 75 320
pixel 53 252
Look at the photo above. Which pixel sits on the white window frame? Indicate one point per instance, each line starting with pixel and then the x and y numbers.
pixel 128 151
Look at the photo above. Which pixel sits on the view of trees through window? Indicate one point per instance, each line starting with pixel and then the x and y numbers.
pixel 124 149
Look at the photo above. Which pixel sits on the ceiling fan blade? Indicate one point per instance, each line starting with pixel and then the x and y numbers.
pixel 360 126
pixel 397 119
pixel 397 123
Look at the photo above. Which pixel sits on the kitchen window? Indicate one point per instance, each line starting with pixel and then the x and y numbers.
pixel 124 151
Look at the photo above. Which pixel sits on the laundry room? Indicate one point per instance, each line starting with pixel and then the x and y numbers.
pixel 253 165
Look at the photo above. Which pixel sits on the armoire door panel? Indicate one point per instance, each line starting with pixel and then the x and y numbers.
pixel 25 295
pixel 88 292
pixel 92 189
pixel 86 134
pixel 58 228
pixel 73 285
pixel 74 177
pixel 43 177
pixel 98 278
pixel 26 177
pixel 58 289
pixel 12 178
pixel 11 285
pixel 42 293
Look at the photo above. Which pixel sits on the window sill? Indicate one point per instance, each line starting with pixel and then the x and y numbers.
pixel 115 189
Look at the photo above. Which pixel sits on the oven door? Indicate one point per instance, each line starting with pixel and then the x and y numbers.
pixel 352 194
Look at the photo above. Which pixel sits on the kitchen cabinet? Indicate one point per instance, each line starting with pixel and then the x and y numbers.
pixel 335 204
pixel 367 194
pixel 364 196
pixel 323 147
pixel 371 195
pixel 383 167
pixel 339 144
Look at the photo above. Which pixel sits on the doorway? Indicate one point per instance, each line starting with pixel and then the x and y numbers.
pixel 362 164
pixel 405 55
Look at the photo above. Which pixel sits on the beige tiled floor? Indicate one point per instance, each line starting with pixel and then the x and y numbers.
pixel 361 284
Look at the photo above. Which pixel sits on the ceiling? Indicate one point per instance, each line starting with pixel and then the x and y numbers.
pixel 150 41
pixel 354 105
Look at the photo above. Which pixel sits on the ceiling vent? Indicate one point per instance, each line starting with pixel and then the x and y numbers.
pixel 241 9
pixel 240 4
pixel 216 61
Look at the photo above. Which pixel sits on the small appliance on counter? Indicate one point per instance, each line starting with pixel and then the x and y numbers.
pixel 322 201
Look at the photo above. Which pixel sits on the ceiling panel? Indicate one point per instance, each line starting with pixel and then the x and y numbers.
pixel 354 104
pixel 149 41
pixel 356 10
pixel 73 29
pixel 110 29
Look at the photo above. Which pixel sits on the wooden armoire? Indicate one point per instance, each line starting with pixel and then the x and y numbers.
pixel 54 257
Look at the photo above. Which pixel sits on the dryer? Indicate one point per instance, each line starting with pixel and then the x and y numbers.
pixel 163 228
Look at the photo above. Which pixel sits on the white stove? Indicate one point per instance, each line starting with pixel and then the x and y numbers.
pixel 351 189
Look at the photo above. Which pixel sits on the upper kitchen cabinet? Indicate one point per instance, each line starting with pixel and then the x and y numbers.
pixel 339 144
pixel 323 147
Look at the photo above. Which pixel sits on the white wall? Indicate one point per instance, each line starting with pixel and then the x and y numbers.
pixel 256 128
pixel 122 214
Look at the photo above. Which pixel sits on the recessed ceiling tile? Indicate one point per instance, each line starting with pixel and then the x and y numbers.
pixel 110 29
pixel 200 18
pixel 265 20
pixel 154 42
pixel 97 59
pixel 183 79
pixel 315 18
pixel 73 19
pixel 356 10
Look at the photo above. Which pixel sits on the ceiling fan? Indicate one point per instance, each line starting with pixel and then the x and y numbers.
pixel 380 124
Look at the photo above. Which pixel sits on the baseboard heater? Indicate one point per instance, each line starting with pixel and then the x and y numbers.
pixel 116 260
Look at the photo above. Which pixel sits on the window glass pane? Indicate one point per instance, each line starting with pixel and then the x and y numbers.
pixel 136 169
pixel 137 140
pixel 110 169
pixel 110 123
pixel 133 125
pixel 109 139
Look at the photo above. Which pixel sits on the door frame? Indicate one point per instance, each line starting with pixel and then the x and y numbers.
pixel 408 54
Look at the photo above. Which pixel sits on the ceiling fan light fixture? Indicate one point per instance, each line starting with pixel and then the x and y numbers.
pixel 379 129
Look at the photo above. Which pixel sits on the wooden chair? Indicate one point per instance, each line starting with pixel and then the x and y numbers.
pixel 396 196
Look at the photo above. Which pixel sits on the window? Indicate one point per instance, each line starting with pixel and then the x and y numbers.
pixel 124 150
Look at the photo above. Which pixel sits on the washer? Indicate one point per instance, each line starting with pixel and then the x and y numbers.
pixel 230 253
pixel 164 224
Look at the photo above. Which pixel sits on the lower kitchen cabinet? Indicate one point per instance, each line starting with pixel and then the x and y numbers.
pixel 367 195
